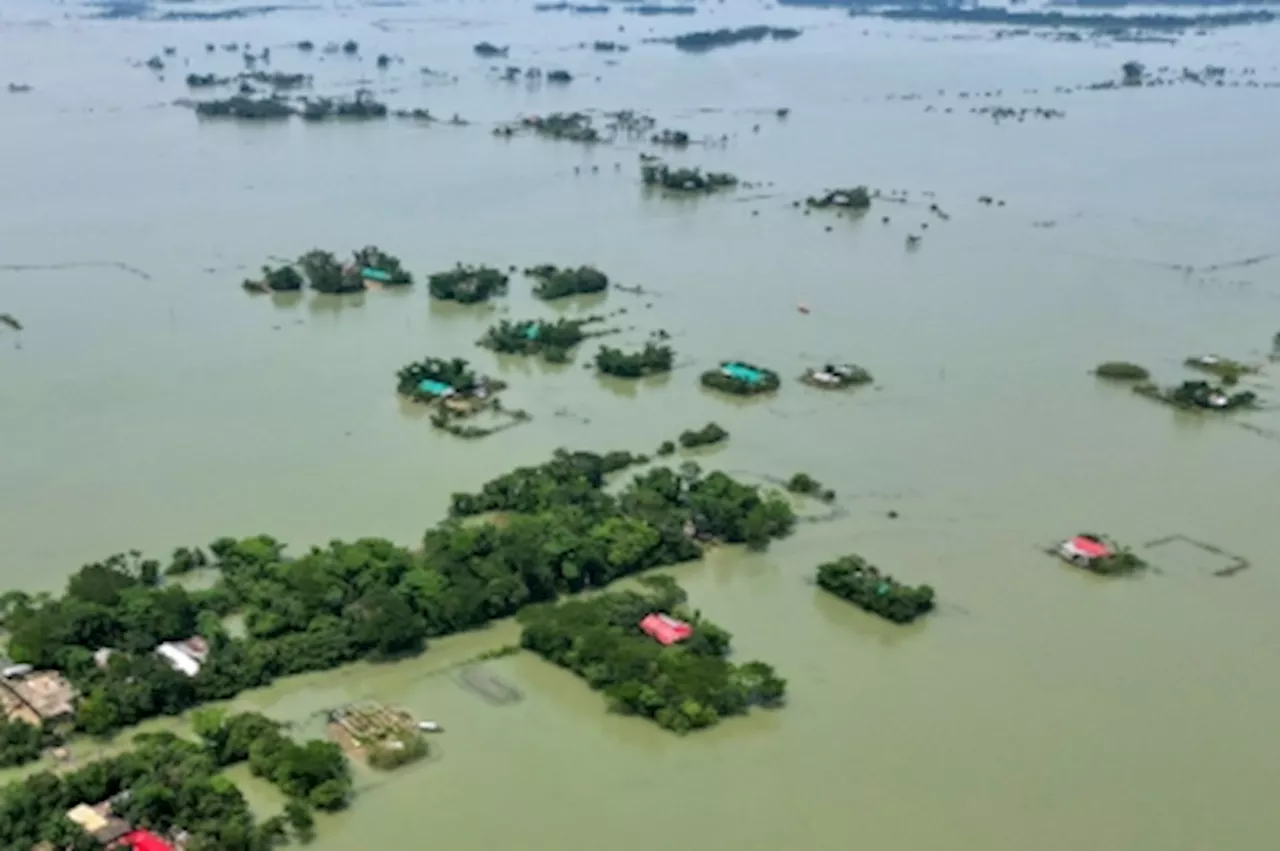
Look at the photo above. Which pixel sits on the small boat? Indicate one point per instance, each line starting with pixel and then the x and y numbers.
pixel 429 727
pixel 802 307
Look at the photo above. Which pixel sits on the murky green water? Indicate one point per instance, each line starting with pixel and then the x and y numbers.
pixel 1039 709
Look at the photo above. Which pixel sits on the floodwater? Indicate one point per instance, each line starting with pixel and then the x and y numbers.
pixel 150 402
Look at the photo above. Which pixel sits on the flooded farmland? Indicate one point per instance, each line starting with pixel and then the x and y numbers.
pixel 148 401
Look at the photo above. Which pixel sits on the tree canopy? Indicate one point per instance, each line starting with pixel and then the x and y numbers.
pixel 554 282
pixel 855 579
pixel 653 359
pixel 682 687
pixel 563 531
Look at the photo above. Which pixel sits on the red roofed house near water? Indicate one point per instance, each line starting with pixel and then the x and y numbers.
pixel 665 629
pixel 144 840
pixel 1083 550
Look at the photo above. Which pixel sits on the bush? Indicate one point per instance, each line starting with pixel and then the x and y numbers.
pixel 554 282
pixel 805 485
pixel 705 436
pixel 468 284
pixel 852 578
pixel 653 359
pixel 1117 370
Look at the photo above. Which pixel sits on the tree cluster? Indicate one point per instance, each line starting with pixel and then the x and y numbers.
pixel 857 198
pixel 708 40
pixel 243 106
pixel 554 282
pixel 21 742
pixel 706 436
pixel 805 485
pixel 276 280
pixel 653 359
pixel 569 126
pixel 659 174
pixel 1230 371
pixel 716 379
pixel 166 784
pixel 363 105
pixel 372 257
pixel 683 687
pixel 455 372
pixel 316 772
pixel 1116 370
pixel 1200 395
pixel 854 579
pixel 370 599
pixel 551 340
pixel 467 284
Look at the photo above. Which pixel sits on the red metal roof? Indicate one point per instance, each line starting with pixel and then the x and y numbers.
pixel 1090 547
pixel 145 840
pixel 665 629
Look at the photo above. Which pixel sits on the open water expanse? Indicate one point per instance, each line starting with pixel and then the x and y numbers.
pixel 151 402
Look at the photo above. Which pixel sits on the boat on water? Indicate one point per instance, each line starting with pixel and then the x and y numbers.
pixel 430 727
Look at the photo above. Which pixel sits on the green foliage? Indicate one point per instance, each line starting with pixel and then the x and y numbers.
pixel 666 448
pixel 683 687
pixel 705 436
pixel 691 180
pixel 554 282
pixel 708 40
pixel 856 198
pixel 277 280
pixel 719 379
pixel 370 599
pixel 21 742
pixel 185 560
pixel 1199 395
pixel 172 784
pixel 373 257
pixel 570 126
pixel 468 284
pixel 653 359
pixel 805 485
pixel 455 372
pixel 552 340
pixel 854 579
pixel 325 274
pixel 1117 370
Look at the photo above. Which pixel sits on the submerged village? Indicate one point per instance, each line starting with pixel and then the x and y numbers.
pixel 127 696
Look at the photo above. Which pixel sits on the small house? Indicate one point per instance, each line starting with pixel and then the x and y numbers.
pixel 436 389
pixel 185 657
pixel 1084 550
pixel 665 629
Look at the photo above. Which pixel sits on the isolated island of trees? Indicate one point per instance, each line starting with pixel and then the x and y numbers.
pixel 468 284
pixel 708 435
pixel 369 266
pixel 683 687
pixel 802 484
pixel 657 174
pixel 554 282
pixel 562 532
pixel 1155 21
pixel 856 580
pixel 857 198
pixel 169 785
pixel 711 39
pixel 653 359
pixel 1118 370
pixel 741 379
pixel 554 341
pixel 1199 395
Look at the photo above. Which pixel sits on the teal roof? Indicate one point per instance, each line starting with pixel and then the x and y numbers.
pixel 742 373
pixel 376 274
pixel 435 388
